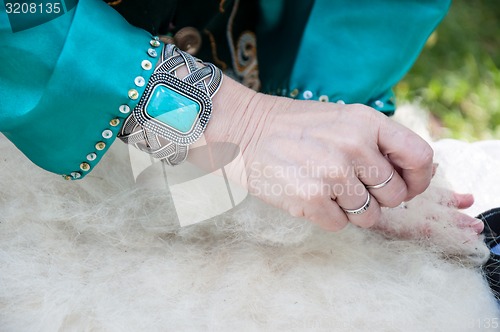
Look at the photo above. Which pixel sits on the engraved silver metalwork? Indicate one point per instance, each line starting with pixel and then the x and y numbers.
pixel 156 137
pixel 383 184
pixel 361 209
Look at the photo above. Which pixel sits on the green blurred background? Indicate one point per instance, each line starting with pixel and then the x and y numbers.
pixel 457 76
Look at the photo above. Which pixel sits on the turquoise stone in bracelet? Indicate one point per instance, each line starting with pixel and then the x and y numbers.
pixel 172 113
pixel 174 109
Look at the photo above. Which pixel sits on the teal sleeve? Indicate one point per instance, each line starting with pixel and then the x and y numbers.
pixel 66 85
pixel 349 51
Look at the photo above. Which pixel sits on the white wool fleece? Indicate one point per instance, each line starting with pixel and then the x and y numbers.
pixel 106 255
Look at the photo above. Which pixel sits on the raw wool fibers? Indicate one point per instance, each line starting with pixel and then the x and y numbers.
pixel 84 256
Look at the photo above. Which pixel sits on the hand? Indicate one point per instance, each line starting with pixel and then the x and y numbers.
pixel 456 201
pixel 314 159
pixel 435 218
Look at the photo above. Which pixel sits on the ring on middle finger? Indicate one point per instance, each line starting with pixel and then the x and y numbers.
pixel 382 184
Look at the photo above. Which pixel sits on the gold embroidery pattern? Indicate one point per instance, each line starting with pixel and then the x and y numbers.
pixel 244 55
pixel 248 68
pixel 115 3
pixel 221 6
pixel 213 45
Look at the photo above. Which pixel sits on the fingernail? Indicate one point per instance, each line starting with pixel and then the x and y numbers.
pixel 434 168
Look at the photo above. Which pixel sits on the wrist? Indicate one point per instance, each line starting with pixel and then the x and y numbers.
pixel 239 116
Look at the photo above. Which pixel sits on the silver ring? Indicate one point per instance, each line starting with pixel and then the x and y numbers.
pixel 383 184
pixel 361 209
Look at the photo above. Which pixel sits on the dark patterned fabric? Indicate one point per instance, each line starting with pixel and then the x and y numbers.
pixel 221 32
pixel 491 232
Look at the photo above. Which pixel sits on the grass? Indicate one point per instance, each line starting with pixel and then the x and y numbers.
pixel 457 76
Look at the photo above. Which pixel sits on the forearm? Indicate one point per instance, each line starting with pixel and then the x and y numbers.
pixel 77 112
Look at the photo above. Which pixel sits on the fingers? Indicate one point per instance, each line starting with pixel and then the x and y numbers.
pixel 359 206
pixel 319 209
pixel 462 201
pixel 353 202
pixel 464 221
pixel 402 169
pixel 383 182
pixel 408 152
pixel 452 199
pixel 344 203
pixel 368 218
pixel 324 212
pixel 393 193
